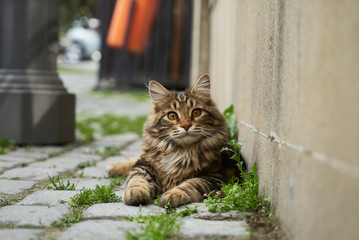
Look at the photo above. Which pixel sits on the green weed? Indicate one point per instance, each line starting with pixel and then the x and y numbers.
pixel 86 131
pixel 86 197
pixel 158 226
pixel 118 181
pixel 141 96
pixel 86 164
pixel 231 122
pixel 6 145
pixel 185 212
pixel 101 194
pixel 240 194
pixel 70 219
pixel 108 151
pixel 58 184
pixel 109 124
pixel 4 202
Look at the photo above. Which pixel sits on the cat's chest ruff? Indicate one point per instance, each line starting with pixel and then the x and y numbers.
pixel 173 162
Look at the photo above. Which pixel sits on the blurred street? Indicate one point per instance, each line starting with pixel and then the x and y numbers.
pixel 81 79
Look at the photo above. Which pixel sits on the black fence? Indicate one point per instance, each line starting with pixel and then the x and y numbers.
pixel 167 55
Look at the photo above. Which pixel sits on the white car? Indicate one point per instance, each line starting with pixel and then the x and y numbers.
pixel 82 43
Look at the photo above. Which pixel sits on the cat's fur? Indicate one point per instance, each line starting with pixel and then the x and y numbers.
pixel 181 158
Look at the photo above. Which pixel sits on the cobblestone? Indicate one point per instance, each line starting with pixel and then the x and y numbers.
pixel 197 228
pixel 31 216
pixel 95 172
pixel 21 234
pixel 32 173
pixel 203 213
pixel 50 150
pixel 120 210
pixel 47 198
pixel 99 229
pixel 29 154
pixel 9 161
pixel 14 186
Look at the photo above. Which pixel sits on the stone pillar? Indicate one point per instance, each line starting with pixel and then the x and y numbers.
pixel 35 108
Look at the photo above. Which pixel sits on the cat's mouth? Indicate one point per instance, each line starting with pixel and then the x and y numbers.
pixel 187 138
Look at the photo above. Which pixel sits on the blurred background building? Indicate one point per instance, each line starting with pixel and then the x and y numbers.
pixel 165 55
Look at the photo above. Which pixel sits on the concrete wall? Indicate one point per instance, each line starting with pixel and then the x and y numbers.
pixel 291 69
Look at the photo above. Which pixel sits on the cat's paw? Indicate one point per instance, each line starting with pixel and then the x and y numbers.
pixel 114 170
pixel 135 196
pixel 120 168
pixel 174 198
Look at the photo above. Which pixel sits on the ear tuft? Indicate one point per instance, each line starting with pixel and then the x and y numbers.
pixel 203 85
pixel 157 91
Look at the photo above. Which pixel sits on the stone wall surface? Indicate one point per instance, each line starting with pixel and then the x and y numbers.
pixel 291 70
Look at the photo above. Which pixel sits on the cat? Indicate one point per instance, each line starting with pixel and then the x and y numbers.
pixel 181 152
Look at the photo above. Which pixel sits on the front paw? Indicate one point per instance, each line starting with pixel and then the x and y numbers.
pixel 135 196
pixel 174 198
pixel 117 169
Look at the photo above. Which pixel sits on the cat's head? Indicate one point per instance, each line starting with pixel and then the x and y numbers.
pixel 185 118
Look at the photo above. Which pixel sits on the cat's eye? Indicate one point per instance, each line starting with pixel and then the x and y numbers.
pixel 196 113
pixel 172 116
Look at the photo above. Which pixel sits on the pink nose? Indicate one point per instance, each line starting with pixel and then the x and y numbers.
pixel 186 126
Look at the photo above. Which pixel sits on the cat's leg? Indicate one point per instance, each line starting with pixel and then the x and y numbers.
pixel 191 190
pixel 141 185
pixel 121 167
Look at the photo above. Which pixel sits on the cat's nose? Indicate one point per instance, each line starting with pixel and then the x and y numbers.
pixel 186 126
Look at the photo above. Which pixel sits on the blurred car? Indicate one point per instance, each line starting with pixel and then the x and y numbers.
pixel 82 41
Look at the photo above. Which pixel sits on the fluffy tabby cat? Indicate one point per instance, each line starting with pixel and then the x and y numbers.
pixel 181 157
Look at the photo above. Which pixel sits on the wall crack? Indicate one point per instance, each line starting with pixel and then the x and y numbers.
pixel 336 164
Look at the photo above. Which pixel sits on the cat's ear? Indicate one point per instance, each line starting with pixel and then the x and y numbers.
pixel 157 91
pixel 202 86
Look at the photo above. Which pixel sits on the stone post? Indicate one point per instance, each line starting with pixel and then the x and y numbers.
pixel 35 108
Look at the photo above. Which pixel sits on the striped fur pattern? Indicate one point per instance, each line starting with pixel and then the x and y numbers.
pixel 182 139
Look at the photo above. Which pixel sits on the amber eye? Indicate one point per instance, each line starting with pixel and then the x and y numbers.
pixel 172 116
pixel 196 113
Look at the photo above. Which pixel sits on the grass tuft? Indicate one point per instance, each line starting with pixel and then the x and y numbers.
pixel 58 184
pixel 231 121
pixel 4 202
pixel 109 124
pixel 6 145
pixel 86 198
pixel 139 96
pixel 108 151
pixel 86 164
pixel 239 194
pixel 70 219
pixel 118 181
pixel 101 194
pixel 158 226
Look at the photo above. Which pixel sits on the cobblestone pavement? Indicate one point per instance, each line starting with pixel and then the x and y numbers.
pixel 25 176
pixel 81 80
pixel 28 208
